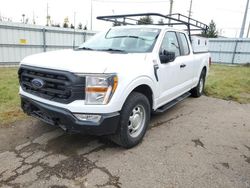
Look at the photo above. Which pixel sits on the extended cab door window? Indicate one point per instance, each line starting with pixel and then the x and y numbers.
pixel 170 45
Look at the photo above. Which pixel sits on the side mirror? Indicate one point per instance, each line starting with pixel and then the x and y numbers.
pixel 167 56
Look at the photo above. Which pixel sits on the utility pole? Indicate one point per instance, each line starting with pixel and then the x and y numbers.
pixel 74 36
pixel 47 17
pixel 23 15
pixel 91 14
pixel 190 9
pixel 171 9
pixel 248 30
pixel 34 20
pixel 244 21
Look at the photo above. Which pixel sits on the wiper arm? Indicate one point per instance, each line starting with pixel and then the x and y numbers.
pixel 84 48
pixel 112 50
pixel 136 37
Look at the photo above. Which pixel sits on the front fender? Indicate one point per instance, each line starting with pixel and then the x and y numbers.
pixel 143 80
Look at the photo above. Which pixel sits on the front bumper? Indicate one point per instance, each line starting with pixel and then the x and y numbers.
pixel 65 119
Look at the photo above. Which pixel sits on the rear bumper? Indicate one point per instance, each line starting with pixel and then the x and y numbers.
pixel 65 119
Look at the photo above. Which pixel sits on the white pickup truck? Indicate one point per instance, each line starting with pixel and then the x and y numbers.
pixel 112 83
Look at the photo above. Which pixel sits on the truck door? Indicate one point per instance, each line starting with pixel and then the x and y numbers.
pixel 169 72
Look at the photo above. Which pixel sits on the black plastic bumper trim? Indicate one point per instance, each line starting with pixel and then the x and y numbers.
pixel 64 118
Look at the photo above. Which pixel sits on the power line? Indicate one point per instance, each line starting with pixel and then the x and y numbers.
pixel 230 10
pixel 113 1
pixel 124 2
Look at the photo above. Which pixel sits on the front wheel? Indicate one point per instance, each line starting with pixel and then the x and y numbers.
pixel 199 89
pixel 135 116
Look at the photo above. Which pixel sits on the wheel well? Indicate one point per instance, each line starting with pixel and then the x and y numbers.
pixel 145 90
pixel 204 69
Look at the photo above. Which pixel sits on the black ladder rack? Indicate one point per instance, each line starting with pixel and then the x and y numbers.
pixel 171 20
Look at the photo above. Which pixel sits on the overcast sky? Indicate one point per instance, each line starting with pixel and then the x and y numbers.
pixel 227 14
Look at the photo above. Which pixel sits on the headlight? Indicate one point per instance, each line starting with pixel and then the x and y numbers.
pixel 100 88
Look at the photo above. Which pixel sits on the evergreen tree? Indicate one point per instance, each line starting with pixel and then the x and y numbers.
pixel 145 20
pixel 211 32
pixel 66 22
pixel 80 26
pixel 161 22
pixel 55 25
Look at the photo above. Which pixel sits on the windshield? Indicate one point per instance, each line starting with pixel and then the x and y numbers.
pixel 130 40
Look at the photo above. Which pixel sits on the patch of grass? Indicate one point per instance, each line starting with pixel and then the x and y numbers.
pixel 225 82
pixel 9 99
pixel 229 83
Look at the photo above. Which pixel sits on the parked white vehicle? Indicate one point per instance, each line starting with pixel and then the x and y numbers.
pixel 112 83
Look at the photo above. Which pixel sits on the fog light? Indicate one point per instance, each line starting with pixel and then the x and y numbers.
pixel 88 117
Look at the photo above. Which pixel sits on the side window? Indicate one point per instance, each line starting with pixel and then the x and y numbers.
pixel 184 42
pixel 170 43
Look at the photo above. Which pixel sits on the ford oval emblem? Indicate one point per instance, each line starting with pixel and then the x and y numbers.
pixel 37 83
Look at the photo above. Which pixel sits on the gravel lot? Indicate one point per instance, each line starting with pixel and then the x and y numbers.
pixel 201 142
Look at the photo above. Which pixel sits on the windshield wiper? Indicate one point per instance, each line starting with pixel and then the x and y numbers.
pixel 137 37
pixel 112 50
pixel 128 36
pixel 84 48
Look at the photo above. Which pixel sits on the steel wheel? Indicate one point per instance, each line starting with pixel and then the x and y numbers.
pixel 201 85
pixel 198 90
pixel 136 121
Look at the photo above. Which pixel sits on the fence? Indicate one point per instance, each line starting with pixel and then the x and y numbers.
pixel 19 40
pixel 230 51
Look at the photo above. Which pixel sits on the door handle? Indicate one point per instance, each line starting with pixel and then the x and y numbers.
pixel 182 65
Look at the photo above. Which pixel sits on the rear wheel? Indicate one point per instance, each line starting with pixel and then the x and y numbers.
pixel 135 116
pixel 199 89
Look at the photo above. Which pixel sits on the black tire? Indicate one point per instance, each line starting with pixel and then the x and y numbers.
pixel 136 108
pixel 199 89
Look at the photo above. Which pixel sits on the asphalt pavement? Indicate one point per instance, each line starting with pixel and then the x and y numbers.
pixel 202 142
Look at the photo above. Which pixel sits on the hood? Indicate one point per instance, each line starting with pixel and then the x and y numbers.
pixel 84 61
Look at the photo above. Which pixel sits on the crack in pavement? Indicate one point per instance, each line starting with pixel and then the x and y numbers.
pixel 76 167
pixel 197 142
pixel 226 165
pixel 159 123
pixel 1 174
pixel 247 159
pixel 73 167
pixel 58 160
pixel 113 180
pixel 247 147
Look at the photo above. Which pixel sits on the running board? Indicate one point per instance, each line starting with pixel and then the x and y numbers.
pixel 172 103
